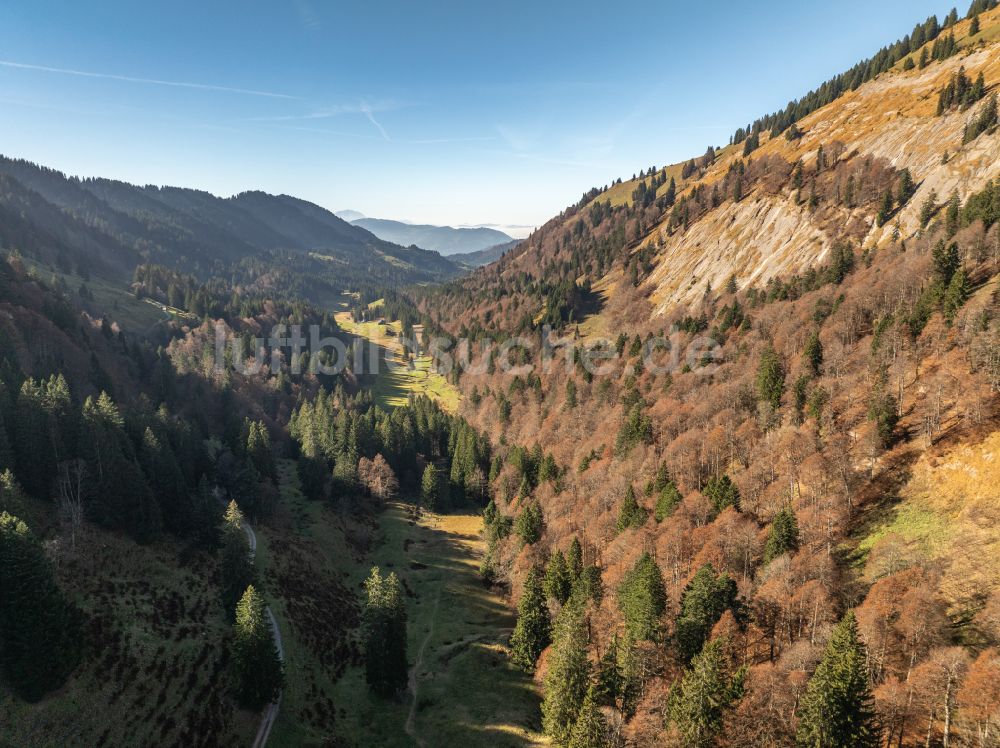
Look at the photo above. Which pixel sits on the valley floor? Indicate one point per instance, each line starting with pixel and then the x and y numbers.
pixel 462 689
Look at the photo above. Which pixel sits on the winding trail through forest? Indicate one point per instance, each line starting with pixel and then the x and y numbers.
pixel 415 671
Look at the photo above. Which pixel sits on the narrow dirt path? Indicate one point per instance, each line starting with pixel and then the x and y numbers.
pixel 270 715
pixel 415 671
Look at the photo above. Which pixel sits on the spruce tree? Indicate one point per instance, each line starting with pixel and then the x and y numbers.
pixel 528 524
pixel 783 536
pixel 703 602
pixel 955 295
pixel 697 704
pixel 837 708
pixel 257 667
pixel 885 210
pixel 534 628
pixel 722 492
pixel 384 634
pixel 630 514
pixel 813 353
pixel 642 598
pixel 39 630
pixel 431 489
pixel 927 209
pixel 770 378
pixel 558 581
pixel 574 559
pixel 668 500
pixel 591 728
pixel 236 567
pixel 568 677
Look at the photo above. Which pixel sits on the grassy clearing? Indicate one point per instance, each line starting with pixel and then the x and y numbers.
pixel 154 672
pixel 315 563
pixel 392 388
pixel 110 298
pixel 467 694
pixel 947 514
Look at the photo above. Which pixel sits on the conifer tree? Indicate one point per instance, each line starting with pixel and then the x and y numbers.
pixel 591 728
pixel 258 671
pixel 885 211
pixel 783 536
pixel 770 378
pixel 558 582
pixel 570 394
pixel 927 209
pixel 39 630
pixel 384 634
pixel 432 489
pixel 813 353
pixel 955 295
pixel 642 598
pixel 668 500
pixel 974 26
pixel 236 567
pixel 703 602
pixel 574 559
pixel 568 677
pixel 630 514
pixel 534 629
pixel 722 492
pixel 528 525
pixel 697 704
pixel 837 708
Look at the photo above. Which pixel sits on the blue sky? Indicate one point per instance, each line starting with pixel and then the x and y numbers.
pixel 440 112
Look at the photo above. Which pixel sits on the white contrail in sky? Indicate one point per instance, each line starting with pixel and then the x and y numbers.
pixel 153 81
pixel 367 111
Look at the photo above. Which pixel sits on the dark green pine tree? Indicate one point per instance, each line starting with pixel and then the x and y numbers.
pixel 906 187
pixel 236 567
pixel 574 559
pixel 974 26
pixel 529 522
pixel 568 677
pixel 558 580
pixel 257 666
pixel 697 704
pixel 432 489
pixel 770 378
pixel 704 600
pixel 642 598
pixel 630 514
pixel 533 631
pixel 668 500
pixel 946 262
pixel 927 209
pixel 837 709
pixel 885 210
pixel 722 492
pixel 784 535
pixel 955 295
pixel 812 356
pixel 384 634
pixel 591 728
pixel 570 394
pixel 39 630
pixel 258 447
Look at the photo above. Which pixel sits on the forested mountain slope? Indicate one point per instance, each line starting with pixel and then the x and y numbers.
pixel 809 485
pixel 109 227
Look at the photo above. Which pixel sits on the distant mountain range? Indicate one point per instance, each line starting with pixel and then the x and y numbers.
pixel 485 256
pixel 110 227
pixel 446 240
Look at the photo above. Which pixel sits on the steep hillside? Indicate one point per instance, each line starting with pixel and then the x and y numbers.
pixel 793 413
